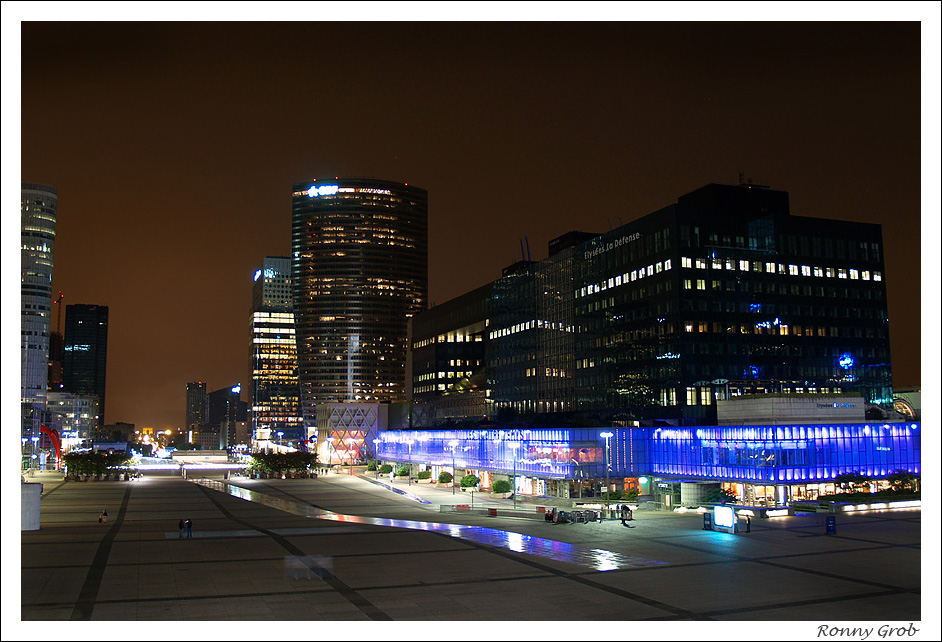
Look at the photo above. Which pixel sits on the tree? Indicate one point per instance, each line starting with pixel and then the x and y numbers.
pixel 902 481
pixel 717 496
pixel 445 477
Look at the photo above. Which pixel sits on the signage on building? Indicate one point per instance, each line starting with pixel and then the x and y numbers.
pixel 611 245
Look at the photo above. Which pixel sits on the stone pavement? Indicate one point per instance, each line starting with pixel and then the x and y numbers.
pixel 251 561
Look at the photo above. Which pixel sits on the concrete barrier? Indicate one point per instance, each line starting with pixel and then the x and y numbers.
pixel 30 495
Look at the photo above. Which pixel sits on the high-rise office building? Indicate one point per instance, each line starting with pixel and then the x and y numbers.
pixel 85 352
pixel 360 271
pixel 195 405
pixel 37 244
pixel 273 358
pixel 722 294
pixel 225 411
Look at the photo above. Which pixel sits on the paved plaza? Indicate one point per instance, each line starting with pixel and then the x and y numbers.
pixel 343 548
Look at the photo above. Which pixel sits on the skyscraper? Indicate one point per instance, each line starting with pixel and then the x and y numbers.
pixel 360 270
pixel 273 358
pixel 85 352
pixel 195 407
pixel 37 243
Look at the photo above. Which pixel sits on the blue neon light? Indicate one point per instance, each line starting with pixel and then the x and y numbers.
pixel 258 273
pixel 846 361
pixel 323 190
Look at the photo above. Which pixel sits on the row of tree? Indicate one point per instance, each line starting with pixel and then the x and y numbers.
pixel 276 463
pixel 95 463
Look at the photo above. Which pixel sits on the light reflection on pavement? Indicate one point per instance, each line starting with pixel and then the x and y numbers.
pixel 594 558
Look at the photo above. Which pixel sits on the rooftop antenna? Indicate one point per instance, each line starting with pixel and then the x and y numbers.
pixel 529 260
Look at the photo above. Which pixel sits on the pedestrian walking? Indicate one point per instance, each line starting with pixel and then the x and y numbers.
pixel 182 527
pixel 103 517
pixel 189 528
pixel 623 510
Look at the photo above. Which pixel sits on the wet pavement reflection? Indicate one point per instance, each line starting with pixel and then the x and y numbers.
pixel 593 558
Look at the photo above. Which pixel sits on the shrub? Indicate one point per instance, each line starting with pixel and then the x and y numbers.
pixel 371 466
pixel 403 471
pixel 717 496
pixel 469 481
pixel 445 477
pixel 501 486
pixel 385 469
pixel 424 474
pixel 612 495
pixel 632 495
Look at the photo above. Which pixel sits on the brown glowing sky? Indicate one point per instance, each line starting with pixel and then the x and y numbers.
pixel 174 147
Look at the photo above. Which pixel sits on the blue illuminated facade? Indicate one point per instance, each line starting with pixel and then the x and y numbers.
pixel 771 455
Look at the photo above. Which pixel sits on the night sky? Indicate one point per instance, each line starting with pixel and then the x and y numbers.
pixel 174 147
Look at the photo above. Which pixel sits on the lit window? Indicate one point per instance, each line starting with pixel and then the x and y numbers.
pixel 770 268
pixel 701 264
pixel 688 284
pixel 806 270
pixel 701 284
pixel 818 271
pixel 667 264
pixel 793 270
pixel 865 275
pixel 829 272
pixel 717 264
pixel 854 274
pixel 841 273
pixel 744 266
pixel 686 262
pixel 877 276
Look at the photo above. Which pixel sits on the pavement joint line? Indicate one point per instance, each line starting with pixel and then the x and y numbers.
pixel 761 560
pixel 85 603
pixel 367 607
pixel 799 603
pixel 577 578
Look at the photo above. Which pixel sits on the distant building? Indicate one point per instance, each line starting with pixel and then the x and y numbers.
pixel 225 409
pixel 75 417
pixel 118 431
pixel 85 352
pixel 195 405
pixel 274 392
pixel 360 272
pixel 37 244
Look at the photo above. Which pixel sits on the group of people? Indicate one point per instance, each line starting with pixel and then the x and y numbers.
pixel 186 525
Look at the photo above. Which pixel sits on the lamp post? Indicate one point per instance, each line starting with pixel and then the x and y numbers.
pixel 376 458
pixel 607 435
pixel 453 443
pixel 330 457
pixel 409 476
pixel 348 441
pixel 513 447
pixel 280 442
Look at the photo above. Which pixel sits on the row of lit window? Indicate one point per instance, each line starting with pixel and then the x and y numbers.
pixel 765 327
pixel 780 268
pixel 531 325
pixel 627 277
pixel 546 372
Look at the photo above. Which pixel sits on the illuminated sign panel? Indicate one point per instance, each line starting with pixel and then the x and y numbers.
pixel 724 516
pixel 323 190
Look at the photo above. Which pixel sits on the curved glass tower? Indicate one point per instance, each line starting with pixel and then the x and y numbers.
pixel 360 272
pixel 37 243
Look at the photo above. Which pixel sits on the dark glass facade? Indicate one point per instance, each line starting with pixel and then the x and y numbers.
pixel 86 352
pixel 721 294
pixel 274 392
pixel 360 272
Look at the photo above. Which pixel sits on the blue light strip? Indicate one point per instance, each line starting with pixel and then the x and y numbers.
pixel 760 453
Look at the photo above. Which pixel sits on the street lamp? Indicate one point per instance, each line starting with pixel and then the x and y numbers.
pixel 376 457
pixel 513 447
pixel 453 443
pixel 409 476
pixel 330 456
pixel 280 435
pixel 349 441
pixel 607 435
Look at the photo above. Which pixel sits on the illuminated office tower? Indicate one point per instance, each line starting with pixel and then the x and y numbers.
pixel 360 269
pixel 195 405
pixel 274 394
pixel 37 242
pixel 85 352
